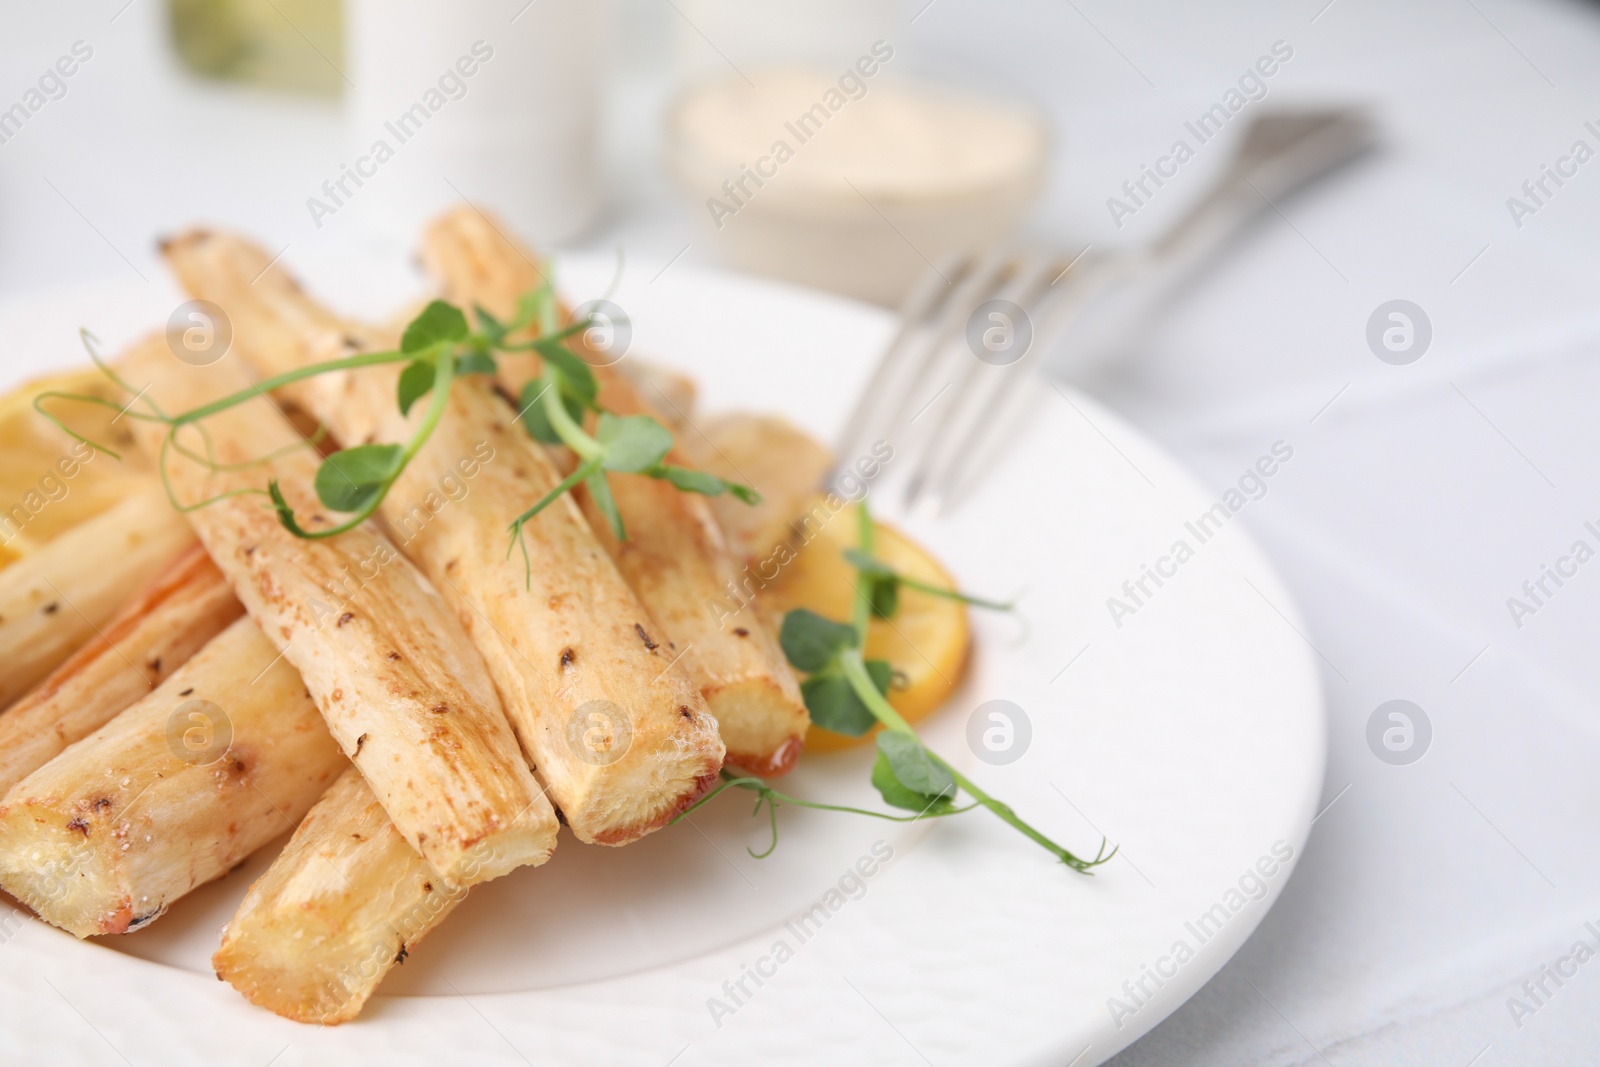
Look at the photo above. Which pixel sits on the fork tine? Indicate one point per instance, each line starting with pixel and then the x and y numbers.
pixel 899 364
pixel 929 373
pixel 987 392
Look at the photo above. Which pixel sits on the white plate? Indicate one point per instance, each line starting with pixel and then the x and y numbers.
pixel 1192 735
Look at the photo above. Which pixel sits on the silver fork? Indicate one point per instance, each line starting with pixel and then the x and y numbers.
pixel 975 329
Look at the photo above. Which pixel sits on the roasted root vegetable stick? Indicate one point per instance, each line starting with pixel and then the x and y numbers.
pixel 170 794
pixel 54 601
pixel 671 393
pixel 616 730
pixel 403 690
pixel 675 558
pixel 344 902
pixel 785 463
pixel 167 622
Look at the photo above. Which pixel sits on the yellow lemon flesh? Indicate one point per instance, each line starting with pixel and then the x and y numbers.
pixel 925 642
pixel 50 482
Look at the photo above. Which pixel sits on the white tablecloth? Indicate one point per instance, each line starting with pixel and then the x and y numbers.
pixel 1420 498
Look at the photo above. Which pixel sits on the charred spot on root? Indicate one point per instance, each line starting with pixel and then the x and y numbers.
pixel 346 617
pixel 568 658
pixel 51 608
pixel 683 709
pixel 400 957
pixel 79 824
pixel 741 631
pixel 100 805
pixel 359 742
pixel 440 709
pixel 394 656
pixel 639 629
pixel 186 692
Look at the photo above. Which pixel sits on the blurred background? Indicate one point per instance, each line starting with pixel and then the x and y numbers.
pixel 1422 497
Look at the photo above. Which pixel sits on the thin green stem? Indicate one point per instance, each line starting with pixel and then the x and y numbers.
pixel 210 463
pixel 369 359
pixel 572 435
pixel 50 394
pixel 444 369
pixel 583 471
pixel 172 494
pixel 952 594
pixel 866 536
pixel 545 338
pixel 757 785
pixel 855 671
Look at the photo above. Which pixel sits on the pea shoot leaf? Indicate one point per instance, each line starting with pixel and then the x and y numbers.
pixel 743 493
pixel 438 323
pixel 575 373
pixel 883 584
pixel 690 481
pixel 881 673
pixel 896 794
pixel 703 482
pixel 834 705
pixel 351 479
pixel 493 330
pixel 914 766
pixel 867 564
pixel 534 418
pixel 600 493
pixel 476 363
pixel 633 443
pixel 812 642
pixel 285 512
pixel 886 583
pixel 416 381
pixel 885 597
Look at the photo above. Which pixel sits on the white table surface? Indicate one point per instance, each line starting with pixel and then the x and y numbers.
pixel 1419 498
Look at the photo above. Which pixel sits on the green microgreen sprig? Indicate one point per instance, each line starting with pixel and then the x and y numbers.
pixel 553 407
pixel 846 693
pixel 437 347
pixel 773 800
pixel 886 583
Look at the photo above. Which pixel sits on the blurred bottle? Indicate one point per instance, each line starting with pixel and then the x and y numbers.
pixel 288 44
pixel 493 101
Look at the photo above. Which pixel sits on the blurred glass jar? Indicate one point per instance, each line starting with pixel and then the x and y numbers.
pixel 812 157
pixel 288 44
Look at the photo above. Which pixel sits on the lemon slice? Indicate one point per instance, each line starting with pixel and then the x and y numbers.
pixel 926 641
pixel 50 482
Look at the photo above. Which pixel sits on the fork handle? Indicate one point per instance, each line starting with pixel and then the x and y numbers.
pixel 1282 153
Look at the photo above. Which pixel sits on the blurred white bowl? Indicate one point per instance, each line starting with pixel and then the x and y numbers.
pixel 850 183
